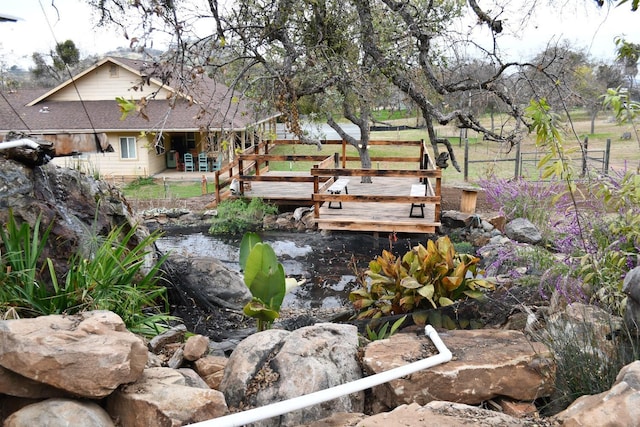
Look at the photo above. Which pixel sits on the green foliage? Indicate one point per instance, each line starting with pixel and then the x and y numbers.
pixel 429 276
pixel 547 127
pixel 384 332
pixel 264 276
pixel 113 276
pixel 237 216
pixel 20 283
pixel 625 109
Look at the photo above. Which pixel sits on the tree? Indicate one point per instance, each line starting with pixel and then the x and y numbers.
pixel 63 59
pixel 628 54
pixel 321 53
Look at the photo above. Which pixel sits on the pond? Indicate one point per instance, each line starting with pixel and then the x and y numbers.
pixel 326 262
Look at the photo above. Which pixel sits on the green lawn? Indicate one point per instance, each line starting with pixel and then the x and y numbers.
pixel 148 189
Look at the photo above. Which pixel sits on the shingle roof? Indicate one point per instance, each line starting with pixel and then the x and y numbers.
pixel 218 107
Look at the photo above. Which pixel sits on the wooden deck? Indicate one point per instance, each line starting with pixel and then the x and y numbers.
pixel 381 206
pixel 356 216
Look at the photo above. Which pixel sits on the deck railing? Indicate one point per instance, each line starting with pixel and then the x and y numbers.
pixel 432 177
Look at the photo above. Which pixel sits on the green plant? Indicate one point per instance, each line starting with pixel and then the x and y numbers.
pixel 112 274
pixel 237 216
pixel 384 331
pixel 265 278
pixel 429 276
pixel 20 279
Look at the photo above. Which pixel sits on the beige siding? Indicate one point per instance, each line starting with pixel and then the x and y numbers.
pixel 110 165
pixel 100 85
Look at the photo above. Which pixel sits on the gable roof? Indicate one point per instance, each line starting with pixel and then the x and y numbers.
pixel 195 103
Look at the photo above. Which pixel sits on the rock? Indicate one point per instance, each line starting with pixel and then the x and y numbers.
pixel 275 365
pixel 615 407
pixel 76 205
pixel 340 419
pixel 455 219
pixel 631 287
pixel 196 347
pixel 176 359
pixel 174 335
pixel 522 230
pixel 300 212
pixel 498 221
pixel 448 414
pixel 16 385
pixel 584 328
pixel 212 283
pixel 162 397
pixel 211 369
pixel 89 354
pixel 487 363
pixel 60 413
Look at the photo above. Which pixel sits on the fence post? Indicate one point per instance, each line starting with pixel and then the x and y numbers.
pixel 518 167
pixel 607 153
pixel 466 159
pixel 585 154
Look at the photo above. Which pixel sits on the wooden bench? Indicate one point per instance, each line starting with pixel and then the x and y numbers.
pixel 416 191
pixel 336 188
pixel 469 198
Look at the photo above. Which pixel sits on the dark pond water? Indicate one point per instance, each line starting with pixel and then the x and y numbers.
pixel 326 262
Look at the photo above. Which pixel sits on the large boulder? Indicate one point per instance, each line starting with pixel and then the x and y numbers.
pixel 277 365
pixel 74 204
pixel 486 363
pixel 438 413
pixel 210 282
pixel 631 287
pixel 165 397
pixel 524 231
pixel 87 355
pixel 60 413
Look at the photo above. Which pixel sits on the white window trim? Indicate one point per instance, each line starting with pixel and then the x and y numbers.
pixel 135 147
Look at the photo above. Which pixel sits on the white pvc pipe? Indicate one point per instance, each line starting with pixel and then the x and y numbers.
pixel 19 143
pixel 279 408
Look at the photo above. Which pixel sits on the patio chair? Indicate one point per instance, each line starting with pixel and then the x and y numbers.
pixel 203 162
pixel 188 163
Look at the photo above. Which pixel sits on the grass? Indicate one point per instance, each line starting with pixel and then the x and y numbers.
pixel 149 189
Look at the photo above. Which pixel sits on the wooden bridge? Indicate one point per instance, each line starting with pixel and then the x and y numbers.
pixel 403 199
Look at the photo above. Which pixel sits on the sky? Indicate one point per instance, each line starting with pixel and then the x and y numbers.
pixel 580 22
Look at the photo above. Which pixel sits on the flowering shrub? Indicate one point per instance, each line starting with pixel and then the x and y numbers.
pixel 597 238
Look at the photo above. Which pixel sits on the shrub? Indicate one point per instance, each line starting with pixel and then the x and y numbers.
pixel 113 276
pixel 429 276
pixel 236 216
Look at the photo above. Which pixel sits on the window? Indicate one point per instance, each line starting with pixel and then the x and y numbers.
pixel 113 70
pixel 127 147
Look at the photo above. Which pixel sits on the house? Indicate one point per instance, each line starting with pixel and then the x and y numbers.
pixel 170 112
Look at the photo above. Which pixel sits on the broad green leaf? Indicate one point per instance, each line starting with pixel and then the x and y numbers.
pixel 249 240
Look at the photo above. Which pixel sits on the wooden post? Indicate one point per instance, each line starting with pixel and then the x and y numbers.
pixel 585 154
pixel 204 185
pixel 466 159
pixel 518 166
pixel 344 154
pixel 468 199
pixel 316 189
pixel 217 185
pixel 607 153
